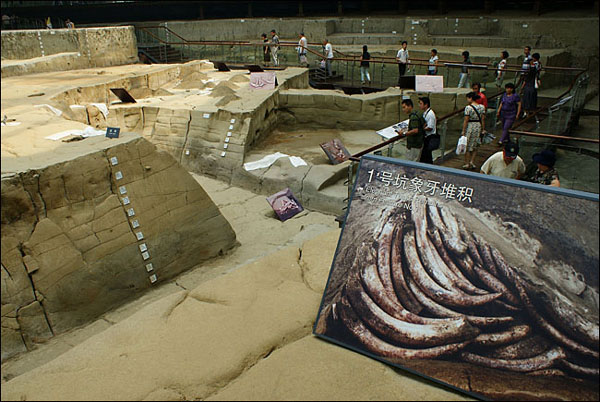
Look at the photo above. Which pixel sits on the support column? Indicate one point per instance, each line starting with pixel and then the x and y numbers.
pixel 537 7
pixel 201 13
pixel 488 6
pixel 402 7
pixel 442 6
pixel 300 9
pixel 340 8
pixel 249 9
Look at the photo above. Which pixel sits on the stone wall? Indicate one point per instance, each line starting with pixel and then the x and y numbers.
pixel 73 236
pixel 96 47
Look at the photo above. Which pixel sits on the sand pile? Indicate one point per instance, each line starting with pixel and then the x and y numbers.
pixel 224 88
pixel 241 78
pixel 192 81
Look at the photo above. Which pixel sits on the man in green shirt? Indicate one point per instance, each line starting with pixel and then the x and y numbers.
pixel 416 132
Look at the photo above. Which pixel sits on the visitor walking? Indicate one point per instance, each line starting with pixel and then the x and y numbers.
pixel 433 69
pixel 364 66
pixel 506 163
pixel 328 51
pixel 529 89
pixel 48 23
pixel 302 45
pixel 402 59
pixel 274 47
pixel 508 111
pixel 431 141
pixel 416 131
pixel 501 67
pixel 69 24
pixel 464 71
pixel 473 128
pixel 266 50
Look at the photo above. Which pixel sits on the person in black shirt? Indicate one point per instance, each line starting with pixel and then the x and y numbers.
pixel 364 65
pixel 266 50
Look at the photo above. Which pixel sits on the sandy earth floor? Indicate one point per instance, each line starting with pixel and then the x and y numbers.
pixel 237 327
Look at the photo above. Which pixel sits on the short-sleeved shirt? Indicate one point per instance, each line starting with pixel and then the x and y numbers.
pixel 501 67
pixel 510 104
pixel 496 166
pixel 415 140
pixel 402 55
pixel 464 68
pixel 470 111
pixel 482 99
pixel 546 177
pixel 366 56
pixel 432 62
pixel 329 51
pixel 526 61
pixel 275 42
pixel 430 122
pixel 302 44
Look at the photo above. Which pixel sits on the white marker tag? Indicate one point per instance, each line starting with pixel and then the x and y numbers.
pixel 232 121
pixel 122 190
pixel 153 278
pixel 149 267
pixel 118 175
pixel 126 201
pixel 225 146
pixel 114 160
pixel 187 151
pixel 130 212
pixel 135 224
pixel 143 247
pixel 206 115
pixel 229 133
pixel 223 153
pixel 227 139
pixel 145 255
pixel 139 235
pixel 231 126
pixel 525 25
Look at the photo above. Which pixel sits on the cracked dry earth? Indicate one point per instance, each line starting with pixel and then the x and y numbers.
pixel 236 327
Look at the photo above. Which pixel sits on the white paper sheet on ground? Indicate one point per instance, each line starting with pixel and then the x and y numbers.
pixel 85 133
pixel 77 107
pixel 390 132
pixel 55 110
pixel 270 159
pixel 102 107
pixel 297 161
pixel 11 123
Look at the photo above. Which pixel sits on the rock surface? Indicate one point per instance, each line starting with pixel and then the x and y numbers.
pixel 74 235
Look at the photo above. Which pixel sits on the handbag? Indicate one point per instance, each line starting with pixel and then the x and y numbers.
pixel 433 142
pixel 461 147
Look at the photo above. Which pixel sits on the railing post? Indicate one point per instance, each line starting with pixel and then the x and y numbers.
pixel 443 131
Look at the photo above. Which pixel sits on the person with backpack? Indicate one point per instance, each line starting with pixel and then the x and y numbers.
pixel 473 128
pixel 415 135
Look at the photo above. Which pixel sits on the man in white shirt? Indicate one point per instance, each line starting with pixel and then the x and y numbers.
pixel 432 139
pixel 302 45
pixel 402 59
pixel 506 163
pixel 328 49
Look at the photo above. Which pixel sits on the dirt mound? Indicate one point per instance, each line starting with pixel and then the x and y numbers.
pixel 192 81
pixel 240 78
pixel 224 88
pixel 226 99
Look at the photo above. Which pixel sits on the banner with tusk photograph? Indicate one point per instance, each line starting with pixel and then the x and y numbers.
pixel 483 284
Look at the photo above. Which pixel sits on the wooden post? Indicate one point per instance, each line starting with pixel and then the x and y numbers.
pixel 340 8
pixel 201 13
pixel 249 9
pixel 300 9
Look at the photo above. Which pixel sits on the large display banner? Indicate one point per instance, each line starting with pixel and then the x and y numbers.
pixel 487 285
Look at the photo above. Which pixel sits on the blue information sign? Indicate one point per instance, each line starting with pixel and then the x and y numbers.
pixel 113 132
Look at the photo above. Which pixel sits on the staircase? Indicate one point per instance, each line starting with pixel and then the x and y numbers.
pixel 161 53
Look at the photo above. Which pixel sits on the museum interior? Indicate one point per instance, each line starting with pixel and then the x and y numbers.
pixel 190 209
